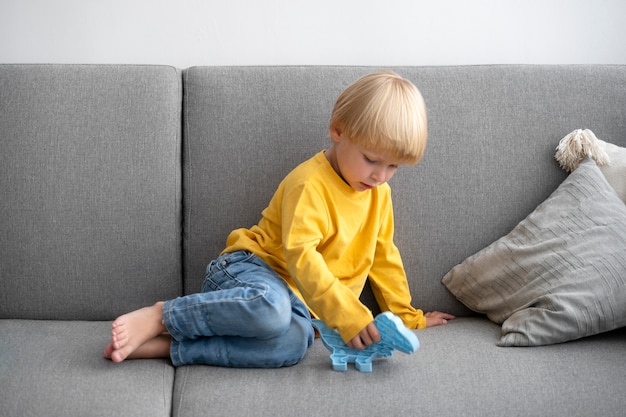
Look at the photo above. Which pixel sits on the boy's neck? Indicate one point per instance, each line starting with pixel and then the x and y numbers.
pixel 331 156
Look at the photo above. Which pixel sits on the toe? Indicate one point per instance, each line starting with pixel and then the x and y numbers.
pixel 108 350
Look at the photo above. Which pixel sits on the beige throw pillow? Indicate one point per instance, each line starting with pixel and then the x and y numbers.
pixel 560 274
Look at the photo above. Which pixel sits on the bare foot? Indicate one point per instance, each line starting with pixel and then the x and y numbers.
pixel 130 331
pixel 157 347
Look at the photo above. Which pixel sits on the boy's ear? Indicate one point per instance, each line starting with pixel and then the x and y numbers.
pixel 335 133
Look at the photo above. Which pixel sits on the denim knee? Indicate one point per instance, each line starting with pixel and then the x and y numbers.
pixel 300 340
pixel 243 296
pixel 274 318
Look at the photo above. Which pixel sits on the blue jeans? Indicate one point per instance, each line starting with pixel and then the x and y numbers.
pixel 245 316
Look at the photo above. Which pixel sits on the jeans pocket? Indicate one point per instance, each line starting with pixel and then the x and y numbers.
pixel 222 272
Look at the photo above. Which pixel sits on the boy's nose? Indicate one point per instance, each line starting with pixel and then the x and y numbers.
pixel 378 176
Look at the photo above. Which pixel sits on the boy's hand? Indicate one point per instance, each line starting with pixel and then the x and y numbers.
pixel 436 318
pixel 366 337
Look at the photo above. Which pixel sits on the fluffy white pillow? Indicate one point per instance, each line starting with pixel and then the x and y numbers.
pixel 611 159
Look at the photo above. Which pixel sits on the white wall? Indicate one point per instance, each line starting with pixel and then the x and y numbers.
pixel 284 32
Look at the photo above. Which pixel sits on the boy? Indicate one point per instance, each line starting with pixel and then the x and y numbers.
pixel 328 227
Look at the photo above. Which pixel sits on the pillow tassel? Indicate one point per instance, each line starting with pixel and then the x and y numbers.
pixel 577 145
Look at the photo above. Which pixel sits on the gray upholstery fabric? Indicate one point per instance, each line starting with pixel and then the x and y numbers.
pixel 56 368
pixel 489 161
pixel 560 274
pixel 90 214
pixel 458 371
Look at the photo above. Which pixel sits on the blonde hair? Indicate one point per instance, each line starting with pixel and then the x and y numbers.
pixel 386 113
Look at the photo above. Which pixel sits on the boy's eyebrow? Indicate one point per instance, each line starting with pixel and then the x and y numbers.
pixel 375 157
pixel 372 153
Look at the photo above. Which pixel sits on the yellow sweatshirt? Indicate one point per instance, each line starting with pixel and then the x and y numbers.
pixel 324 239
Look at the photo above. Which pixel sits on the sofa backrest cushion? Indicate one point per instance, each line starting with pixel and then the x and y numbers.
pixel 489 161
pixel 90 186
pixel 90 176
pixel 245 129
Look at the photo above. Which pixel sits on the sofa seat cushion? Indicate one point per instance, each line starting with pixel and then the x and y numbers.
pixel 560 274
pixel 458 371
pixel 56 368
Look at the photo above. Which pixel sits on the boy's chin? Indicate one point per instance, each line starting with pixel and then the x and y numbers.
pixel 361 186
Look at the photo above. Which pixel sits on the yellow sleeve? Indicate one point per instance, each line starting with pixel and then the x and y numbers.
pixel 305 224
pixel 388 278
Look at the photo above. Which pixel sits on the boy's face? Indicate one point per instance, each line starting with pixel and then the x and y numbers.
pixel 361 168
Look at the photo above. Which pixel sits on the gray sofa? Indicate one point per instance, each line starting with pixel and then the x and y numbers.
pixel 119 183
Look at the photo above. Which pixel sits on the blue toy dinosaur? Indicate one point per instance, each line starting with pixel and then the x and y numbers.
pixel 393 335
